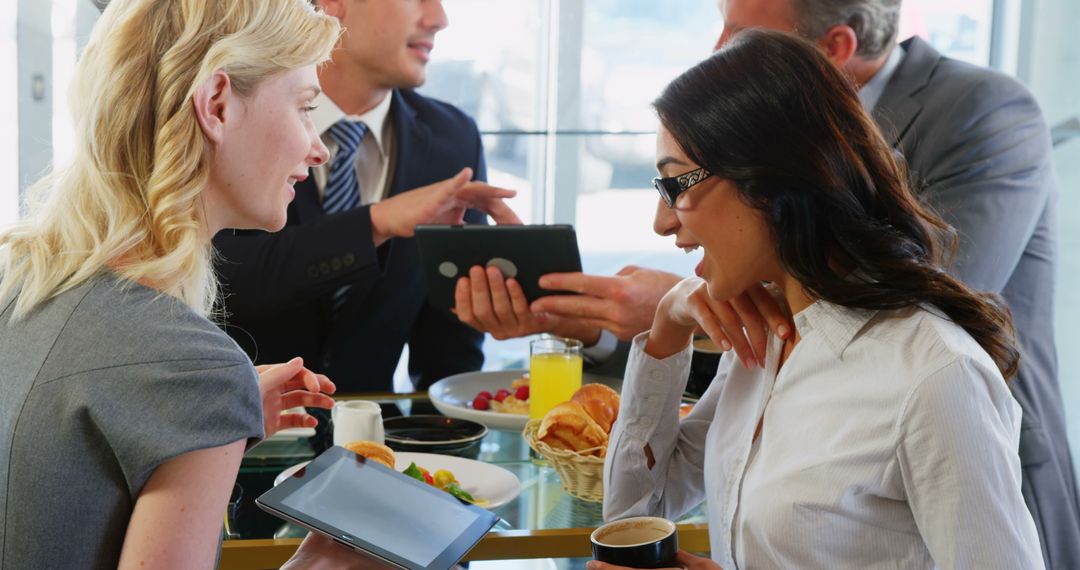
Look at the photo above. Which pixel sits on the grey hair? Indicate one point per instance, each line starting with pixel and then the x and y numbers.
pixel 875 21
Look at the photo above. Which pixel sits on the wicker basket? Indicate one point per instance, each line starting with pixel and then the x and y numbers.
pixel 582 475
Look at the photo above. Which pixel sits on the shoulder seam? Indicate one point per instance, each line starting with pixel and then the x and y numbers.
pixel 15 426
pixel 223 364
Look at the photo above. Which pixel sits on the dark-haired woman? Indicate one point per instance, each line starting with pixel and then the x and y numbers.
pixel 881 434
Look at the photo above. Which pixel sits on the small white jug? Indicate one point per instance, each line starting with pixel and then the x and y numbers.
pixel 357 419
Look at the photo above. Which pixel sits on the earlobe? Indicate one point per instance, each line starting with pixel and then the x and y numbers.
pixel 211 101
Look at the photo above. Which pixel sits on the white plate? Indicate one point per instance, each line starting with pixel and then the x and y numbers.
pixel 481 480
pixel 453 396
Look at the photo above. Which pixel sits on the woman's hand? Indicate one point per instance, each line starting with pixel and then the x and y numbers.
pixel 290 385
pixel 682 310
pixel 684 560
pixel 320 553
pixel 741 323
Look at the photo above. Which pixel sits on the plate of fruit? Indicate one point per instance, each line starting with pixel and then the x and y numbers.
pixel 482 484
pixel 497 399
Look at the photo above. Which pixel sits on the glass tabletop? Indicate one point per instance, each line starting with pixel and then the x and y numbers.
pixel 541 505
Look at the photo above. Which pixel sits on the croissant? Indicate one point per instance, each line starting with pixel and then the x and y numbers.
pixel 372 450
pixel 600 402
pixel 568 426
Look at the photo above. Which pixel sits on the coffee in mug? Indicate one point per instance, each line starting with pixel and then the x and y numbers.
pixel 637 542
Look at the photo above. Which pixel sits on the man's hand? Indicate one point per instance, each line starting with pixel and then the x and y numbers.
pixel 439 203
pixel 489 303
pixel 290 385
pixel 685 561
pixel 623 304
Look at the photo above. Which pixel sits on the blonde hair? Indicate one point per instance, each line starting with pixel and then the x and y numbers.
pixel 129 200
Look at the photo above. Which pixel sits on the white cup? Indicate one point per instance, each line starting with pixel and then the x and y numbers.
pixel 357 419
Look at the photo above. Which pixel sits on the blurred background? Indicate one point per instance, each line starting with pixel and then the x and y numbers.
pixel 561 90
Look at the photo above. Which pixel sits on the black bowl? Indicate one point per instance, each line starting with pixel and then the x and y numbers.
pixel 637 542
pixel 434 434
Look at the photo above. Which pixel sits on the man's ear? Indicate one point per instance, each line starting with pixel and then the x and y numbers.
pixel 839 44
pixel 213 102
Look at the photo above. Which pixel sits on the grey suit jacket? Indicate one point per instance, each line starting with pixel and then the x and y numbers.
pixel 979 150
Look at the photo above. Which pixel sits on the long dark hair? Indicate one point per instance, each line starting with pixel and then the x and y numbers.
pixel 772 114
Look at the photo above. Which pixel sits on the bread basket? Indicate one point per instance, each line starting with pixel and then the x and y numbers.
pixel 582 476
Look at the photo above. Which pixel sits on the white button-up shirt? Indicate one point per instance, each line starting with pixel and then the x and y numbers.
pixel 889 440
pixel 375 157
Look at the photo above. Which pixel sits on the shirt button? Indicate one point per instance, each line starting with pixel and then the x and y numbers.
pixel 646 422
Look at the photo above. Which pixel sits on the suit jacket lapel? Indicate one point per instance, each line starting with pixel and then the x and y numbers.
pixel 412 140
pixel 898 107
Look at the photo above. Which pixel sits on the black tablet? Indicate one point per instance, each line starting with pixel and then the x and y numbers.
pixel 373 509
pixel 522 252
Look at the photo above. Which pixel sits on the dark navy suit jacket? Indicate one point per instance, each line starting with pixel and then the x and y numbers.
pixel 276 287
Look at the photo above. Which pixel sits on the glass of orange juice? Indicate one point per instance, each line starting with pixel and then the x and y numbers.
pixel 554 372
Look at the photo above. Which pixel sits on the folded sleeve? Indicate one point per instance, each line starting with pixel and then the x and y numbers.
pixel 957 450
pixel 649 414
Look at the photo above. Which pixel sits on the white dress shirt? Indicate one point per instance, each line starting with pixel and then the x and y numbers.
pixel 871 92
pixel 889 440
pixel 374 159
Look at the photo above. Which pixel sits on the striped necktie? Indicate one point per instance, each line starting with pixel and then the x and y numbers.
pixel 342 186
pixel 342 191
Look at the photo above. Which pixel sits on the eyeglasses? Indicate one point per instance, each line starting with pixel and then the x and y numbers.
pixel 671 188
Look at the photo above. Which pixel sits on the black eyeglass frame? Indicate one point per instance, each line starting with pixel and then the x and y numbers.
pixel 672 187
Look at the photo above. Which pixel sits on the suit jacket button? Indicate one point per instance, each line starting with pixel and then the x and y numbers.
pixel 313 272
pixel 324 268
pixel 349 259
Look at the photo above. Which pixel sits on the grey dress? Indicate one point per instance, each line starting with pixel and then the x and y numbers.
pixel 98 387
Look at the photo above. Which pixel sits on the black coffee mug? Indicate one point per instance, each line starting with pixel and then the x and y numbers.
pixel 637 542
pixel 703 365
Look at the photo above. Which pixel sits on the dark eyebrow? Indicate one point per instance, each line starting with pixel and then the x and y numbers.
pixel 660 164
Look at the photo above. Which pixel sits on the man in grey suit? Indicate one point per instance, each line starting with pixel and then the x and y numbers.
pixel 979 151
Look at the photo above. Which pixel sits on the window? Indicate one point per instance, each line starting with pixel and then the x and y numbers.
pixel 960 29
pixel 562 93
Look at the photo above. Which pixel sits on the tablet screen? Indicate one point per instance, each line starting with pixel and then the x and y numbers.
pixel 380 511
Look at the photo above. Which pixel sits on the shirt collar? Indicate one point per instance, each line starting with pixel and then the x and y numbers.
pixel 871 93
pixel 327 113
pixel 837 325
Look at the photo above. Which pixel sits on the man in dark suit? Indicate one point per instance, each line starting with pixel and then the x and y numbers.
pixel 979 150
pixel 342 285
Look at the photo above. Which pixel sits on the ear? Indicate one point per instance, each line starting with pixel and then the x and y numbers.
pixel 335 8
pixel 839 44
pixel 213 100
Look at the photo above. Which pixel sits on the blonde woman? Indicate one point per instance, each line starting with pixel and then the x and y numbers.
pixel 125 411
